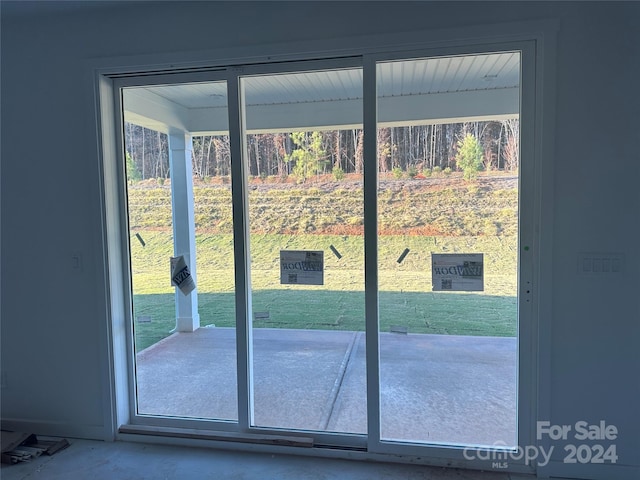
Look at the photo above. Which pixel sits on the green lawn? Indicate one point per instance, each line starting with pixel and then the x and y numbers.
pixel 439 215
pixel 405 297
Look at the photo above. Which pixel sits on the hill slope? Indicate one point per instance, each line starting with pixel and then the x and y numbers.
pixel 446 206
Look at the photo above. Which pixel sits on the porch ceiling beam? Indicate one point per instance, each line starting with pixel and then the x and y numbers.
pixel 434 108
pixel 154 112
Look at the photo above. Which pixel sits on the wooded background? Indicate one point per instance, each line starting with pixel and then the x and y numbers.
pixel 407 148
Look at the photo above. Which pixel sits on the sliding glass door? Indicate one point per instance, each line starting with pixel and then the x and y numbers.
pixel 447 248
pixel 252 195
pixel 306 245
pixel 180 220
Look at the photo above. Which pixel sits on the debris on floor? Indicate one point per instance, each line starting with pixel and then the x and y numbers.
pixel 22 447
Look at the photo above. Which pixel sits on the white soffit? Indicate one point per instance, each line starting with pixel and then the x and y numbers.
pixel 410 92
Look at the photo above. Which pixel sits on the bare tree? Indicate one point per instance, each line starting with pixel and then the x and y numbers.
pixel 359 152
pixel 223 155
pixel 384 149
pixel 512 144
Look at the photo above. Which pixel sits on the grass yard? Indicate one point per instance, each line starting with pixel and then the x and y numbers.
pixel 405 289
pixel 445 216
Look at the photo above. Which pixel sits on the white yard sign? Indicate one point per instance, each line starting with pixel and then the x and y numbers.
pixel 457 272
pixel 301 267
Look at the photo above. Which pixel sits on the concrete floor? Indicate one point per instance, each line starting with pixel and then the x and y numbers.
pixel 94 460
pixel 434 388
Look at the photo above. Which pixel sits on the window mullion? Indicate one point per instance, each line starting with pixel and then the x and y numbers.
pixel 371 250
pixel 241 249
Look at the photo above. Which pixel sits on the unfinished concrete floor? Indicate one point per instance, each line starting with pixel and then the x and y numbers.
pixel 95 460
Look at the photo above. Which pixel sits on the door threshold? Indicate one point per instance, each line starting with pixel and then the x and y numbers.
pixel 196 434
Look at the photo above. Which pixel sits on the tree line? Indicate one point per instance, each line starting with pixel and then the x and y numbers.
pixel 302 154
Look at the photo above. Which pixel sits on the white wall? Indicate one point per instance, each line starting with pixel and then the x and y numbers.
pixel 53 316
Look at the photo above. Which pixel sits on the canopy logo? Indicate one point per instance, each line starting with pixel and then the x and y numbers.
pixel 585 444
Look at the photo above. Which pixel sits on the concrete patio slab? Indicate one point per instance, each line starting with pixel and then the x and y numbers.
pixel 190 375
pixel 434 388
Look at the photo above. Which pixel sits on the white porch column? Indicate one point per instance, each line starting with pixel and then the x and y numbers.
pixel 184 239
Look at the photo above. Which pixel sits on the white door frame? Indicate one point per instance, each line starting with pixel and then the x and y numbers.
pixel 537 42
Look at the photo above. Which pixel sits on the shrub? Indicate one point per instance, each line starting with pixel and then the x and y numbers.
pixel 412 171
pixel 133 175
pixel 473 189
pixel 308 156
pixel 447 171
pixel 470 156
pixel 338 173
pixel 397 173
pixel 437 170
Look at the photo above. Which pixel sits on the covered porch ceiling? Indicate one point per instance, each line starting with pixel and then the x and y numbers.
pixel 410 92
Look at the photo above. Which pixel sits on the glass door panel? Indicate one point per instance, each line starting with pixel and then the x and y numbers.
pixel 447 245
pixel 304 164
pixel 179 205
pixel 447 203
